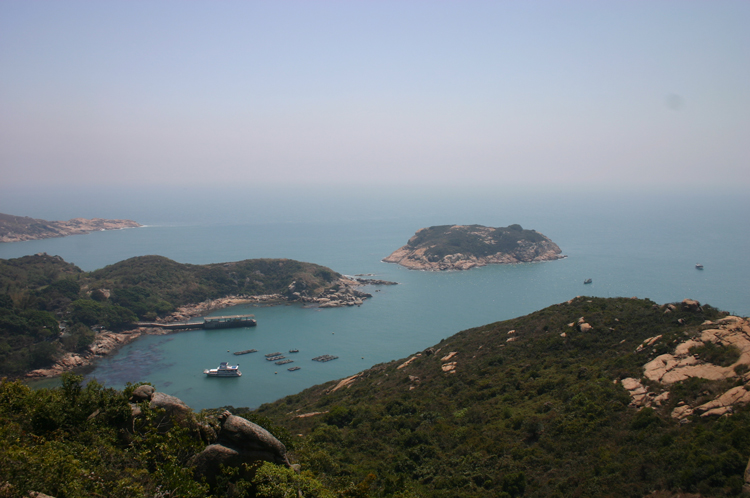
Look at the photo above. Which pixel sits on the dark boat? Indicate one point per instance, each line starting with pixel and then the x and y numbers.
pixel 698 266
pixel 228 322
pixel 246 351
pixel 587 281
pixel 325 357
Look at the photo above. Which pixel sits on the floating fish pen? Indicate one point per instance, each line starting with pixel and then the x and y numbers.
pixel 273 354
pixel 284 362
pixel 293 369
pixel 294 350
pixel 274 358
pixel 246 351
pixel 227 322
pixel 325 357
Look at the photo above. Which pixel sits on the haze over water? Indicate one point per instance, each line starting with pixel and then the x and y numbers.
pixel 643 245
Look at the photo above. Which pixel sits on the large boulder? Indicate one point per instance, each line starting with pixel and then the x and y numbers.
pixel 178 412
pixel 691 305
pixel 239 441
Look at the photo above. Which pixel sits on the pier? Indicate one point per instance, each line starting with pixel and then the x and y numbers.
pixel 208 323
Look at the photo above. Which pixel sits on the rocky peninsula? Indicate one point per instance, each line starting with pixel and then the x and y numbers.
pixel 461 247
pixel 19 228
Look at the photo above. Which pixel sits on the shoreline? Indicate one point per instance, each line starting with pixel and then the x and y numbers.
pixel 108 342
pixel 462 264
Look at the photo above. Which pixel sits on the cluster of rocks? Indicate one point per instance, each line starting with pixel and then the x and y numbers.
pixel 582 325
pixel 231 440
pixel 680 365
pixel 104 344
pixel 343 293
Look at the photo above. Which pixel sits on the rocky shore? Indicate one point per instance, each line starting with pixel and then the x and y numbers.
pixel 19 228
pixel 343 293
pixel 462 247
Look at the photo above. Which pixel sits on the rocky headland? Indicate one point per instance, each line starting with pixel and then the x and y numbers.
pixel 461 247
pixel 19 228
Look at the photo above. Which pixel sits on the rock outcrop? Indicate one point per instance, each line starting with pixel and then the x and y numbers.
pixel 461 247
pixel 232 440
pixel 239 441
pixel 18 228
pixel 680 365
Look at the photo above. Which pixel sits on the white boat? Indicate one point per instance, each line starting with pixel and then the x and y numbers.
pixel 224 370
pixel 699 266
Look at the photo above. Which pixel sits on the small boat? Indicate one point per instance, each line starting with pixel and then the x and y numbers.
pixel 294 350
pixel 293 369
pixel 698 266
pixel 224 370
pixel 274 358
pixel 273 354
pixel 325 357
pixel 246 351
pixel 284 362
pixel 587 281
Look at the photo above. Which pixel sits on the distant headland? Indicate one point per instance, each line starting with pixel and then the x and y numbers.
pixel 18 228
pixel 461 247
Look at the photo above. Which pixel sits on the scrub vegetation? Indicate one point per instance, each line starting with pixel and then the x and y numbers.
pixel 538 416
pixel 448 239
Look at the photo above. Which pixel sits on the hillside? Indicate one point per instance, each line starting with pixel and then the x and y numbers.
pixel 538 406
pixel 543 405
pixel 461 247
pixel 50 309
pixel 18 228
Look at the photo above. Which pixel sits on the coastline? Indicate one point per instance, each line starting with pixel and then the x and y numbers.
pixel 108 342
pixel 22 228
pixel 410 259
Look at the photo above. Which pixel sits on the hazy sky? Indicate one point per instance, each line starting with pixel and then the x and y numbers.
pixel 563 93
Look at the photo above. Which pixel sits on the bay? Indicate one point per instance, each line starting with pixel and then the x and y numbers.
pixel 642 244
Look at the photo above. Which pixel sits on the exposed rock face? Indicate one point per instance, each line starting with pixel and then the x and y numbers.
pixel 461 247
pixel 681 365
pixel 18 228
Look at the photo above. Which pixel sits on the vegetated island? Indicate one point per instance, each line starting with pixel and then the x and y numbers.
pixel 461 247
pixel 617 397
pixel 54 317
pixel 19 228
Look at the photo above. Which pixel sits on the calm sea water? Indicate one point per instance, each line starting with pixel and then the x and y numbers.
pixel 643 245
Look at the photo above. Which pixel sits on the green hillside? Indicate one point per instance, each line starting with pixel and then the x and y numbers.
pixel 538 416
pixel 528 407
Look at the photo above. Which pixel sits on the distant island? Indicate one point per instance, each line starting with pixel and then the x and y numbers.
pixel 19 228
pixel 461 247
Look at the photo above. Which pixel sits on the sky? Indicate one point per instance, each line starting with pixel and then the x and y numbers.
pixel 564 94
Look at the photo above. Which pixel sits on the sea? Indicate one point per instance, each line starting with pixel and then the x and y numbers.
pixel 641 243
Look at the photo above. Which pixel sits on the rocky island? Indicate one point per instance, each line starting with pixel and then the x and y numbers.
pixel 461 247
pixel 18 228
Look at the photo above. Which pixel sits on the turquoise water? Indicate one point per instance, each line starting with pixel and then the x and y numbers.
pixel 645 246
